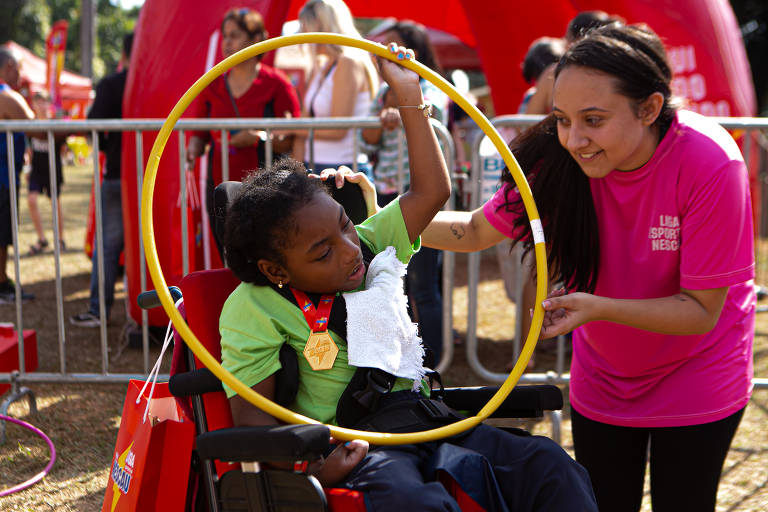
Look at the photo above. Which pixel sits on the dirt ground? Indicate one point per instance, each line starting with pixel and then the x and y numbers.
pixel 82 419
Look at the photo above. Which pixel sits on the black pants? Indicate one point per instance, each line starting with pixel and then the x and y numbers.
pixel 685 462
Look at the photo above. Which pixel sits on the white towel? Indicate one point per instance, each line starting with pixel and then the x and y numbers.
pixel 380 334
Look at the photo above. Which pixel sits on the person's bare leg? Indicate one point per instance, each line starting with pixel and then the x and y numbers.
pixel 3 261
pixel 61 222
pixel 34 213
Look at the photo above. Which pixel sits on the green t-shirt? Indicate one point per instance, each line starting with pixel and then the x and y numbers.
pixel 256 321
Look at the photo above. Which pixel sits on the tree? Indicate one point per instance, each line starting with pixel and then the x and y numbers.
pixel 112 23
pixel 28 22
pixel 23 21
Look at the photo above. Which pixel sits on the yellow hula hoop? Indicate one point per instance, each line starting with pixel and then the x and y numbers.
pixel 150 249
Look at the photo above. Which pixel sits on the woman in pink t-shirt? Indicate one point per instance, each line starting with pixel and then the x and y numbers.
pixel 647 218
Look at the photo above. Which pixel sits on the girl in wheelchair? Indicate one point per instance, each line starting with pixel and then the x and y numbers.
pixel 307 280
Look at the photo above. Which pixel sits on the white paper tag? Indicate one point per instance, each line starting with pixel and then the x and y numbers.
pixel 538 231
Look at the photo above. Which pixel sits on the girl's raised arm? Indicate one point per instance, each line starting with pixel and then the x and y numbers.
pixel 430 183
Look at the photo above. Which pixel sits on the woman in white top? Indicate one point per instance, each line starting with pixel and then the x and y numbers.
pixel 342 83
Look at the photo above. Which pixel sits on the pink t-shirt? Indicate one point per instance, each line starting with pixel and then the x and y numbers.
pixel 683 220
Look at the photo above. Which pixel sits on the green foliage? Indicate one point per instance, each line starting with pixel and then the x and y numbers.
pixel 113 23
pixel 24 450
pixel 24 21
pixel 28 22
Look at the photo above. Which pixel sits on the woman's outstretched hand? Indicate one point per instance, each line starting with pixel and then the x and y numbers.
pixel 563 312
pixel 344 173
pixel 246 138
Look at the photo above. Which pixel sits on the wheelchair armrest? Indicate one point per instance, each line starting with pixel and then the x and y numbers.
pixel 194 382
pixel 150 300
pixel 522 401
pixel 267 443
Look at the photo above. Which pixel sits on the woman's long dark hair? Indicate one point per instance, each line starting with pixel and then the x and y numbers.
pixel 634 56
pixel 564 201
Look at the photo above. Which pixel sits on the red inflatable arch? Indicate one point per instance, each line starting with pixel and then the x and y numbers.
pixel 172 44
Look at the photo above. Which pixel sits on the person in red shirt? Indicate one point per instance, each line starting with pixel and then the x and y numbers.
pixel 250 89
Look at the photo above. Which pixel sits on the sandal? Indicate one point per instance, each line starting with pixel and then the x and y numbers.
pixel 62 246
pixel 39 247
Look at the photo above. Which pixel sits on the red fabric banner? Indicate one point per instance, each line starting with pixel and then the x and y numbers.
pixel 55 45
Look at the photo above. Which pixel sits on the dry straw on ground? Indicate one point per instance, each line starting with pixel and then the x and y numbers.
pixel 82 419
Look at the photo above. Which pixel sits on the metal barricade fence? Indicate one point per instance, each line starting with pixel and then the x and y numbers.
pixel 754 132
pixel 138 127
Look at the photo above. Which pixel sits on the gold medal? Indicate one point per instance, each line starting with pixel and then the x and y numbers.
pixel 320 351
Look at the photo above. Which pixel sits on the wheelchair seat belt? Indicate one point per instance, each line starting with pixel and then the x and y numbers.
pixel 287 377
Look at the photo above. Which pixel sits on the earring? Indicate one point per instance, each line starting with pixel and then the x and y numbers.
pixel 280 284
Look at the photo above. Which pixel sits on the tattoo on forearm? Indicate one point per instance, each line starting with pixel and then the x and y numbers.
pixel 458 231
pixel 681 297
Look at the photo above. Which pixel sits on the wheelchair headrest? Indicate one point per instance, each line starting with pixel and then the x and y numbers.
pixel 223 195
pixel 350 196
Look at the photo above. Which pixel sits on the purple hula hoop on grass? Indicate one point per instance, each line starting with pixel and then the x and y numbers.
pixel 45 471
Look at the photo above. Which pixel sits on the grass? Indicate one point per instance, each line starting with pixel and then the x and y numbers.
pixel 83 419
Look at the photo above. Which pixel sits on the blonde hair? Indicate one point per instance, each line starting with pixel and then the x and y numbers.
pixel 328 16
pixel 334 16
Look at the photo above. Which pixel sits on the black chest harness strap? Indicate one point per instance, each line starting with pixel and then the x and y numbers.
pixel 368 404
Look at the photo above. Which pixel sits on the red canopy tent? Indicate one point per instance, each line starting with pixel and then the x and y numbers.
pixel 172 41
pixel 451 52
pixel 715 77
pixel 76 90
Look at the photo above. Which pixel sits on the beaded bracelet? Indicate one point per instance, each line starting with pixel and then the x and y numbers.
pixel 426 108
